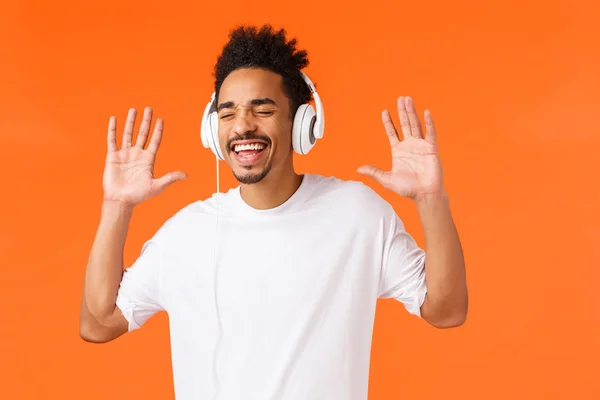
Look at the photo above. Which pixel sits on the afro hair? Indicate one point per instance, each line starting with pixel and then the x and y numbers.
pixel 265 48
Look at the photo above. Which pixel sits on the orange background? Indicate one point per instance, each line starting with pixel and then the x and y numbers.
pixel 513 87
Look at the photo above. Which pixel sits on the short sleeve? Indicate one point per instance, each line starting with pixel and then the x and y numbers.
pixel 403 275
pixel 139 295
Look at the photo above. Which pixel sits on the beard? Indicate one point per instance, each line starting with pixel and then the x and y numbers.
pixel 250 178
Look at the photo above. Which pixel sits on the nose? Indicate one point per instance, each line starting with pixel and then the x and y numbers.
pixel 244 122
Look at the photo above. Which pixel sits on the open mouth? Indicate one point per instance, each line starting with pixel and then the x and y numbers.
pixel 248 152
pixel 248 149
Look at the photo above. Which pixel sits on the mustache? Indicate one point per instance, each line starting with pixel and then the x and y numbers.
pixel 248 136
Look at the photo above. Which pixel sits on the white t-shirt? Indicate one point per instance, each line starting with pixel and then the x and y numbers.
pixel 297 287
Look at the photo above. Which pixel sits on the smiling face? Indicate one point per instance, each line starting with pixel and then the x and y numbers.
pixel 254 124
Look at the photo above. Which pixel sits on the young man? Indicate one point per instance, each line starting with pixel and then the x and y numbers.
pixel 271 288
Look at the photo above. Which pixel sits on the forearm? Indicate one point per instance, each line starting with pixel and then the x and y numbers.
pixel 447 298
pixel 105 265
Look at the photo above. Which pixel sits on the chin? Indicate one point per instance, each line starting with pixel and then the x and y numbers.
pixel 250 175
pixel 252 167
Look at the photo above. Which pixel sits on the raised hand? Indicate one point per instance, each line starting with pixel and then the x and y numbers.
pixel 129 171
pixel 416 167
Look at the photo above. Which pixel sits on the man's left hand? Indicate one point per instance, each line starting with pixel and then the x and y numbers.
pixel 416 167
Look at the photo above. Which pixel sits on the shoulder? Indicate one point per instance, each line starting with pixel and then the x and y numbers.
pixel 356 205
pixel 355 194
pixel 224 203
pixel 350 196
pixel 192 215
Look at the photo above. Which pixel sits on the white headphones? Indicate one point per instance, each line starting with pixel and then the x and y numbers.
pixel 308 125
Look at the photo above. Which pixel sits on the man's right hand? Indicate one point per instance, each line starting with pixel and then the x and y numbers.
pixel 129 172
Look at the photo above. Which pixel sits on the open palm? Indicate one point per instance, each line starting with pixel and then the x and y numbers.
pixel 416 168
pixel 129 171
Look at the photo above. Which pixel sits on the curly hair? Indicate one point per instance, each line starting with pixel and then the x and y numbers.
pixel 253 47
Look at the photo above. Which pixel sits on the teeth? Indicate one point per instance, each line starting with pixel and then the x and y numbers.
pixel 251 146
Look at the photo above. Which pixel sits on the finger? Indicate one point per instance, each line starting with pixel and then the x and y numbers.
pixel 112 134
pixel 415 125
pixel 384 178
pixel 156 136
pixel 390 130
pixel 431 136
pixel 128 132
pixel 168 179
pixel 404 121
pixel 144 128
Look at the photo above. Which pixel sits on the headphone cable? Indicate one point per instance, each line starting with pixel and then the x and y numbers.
pixel 219 323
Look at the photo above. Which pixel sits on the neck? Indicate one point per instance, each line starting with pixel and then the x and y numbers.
pixel 275 189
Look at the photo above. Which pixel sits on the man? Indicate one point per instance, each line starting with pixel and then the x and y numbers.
pixel 271 288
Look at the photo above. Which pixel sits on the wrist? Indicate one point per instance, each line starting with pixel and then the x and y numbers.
pixel 116 209
pixel 431 199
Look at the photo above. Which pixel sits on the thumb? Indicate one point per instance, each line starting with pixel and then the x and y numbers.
pixel 168 179
pixel 379 175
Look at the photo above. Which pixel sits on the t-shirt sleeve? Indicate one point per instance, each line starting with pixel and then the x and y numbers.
pixel 139 294
pixel 403 274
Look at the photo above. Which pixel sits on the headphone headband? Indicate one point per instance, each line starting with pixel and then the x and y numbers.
pixel 311 86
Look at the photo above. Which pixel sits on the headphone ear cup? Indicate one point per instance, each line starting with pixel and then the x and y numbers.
pixel 297 128
pixel 303 138
pixel 214 132
pixel 205 127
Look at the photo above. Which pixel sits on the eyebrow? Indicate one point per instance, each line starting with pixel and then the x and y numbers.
pixel 253 102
